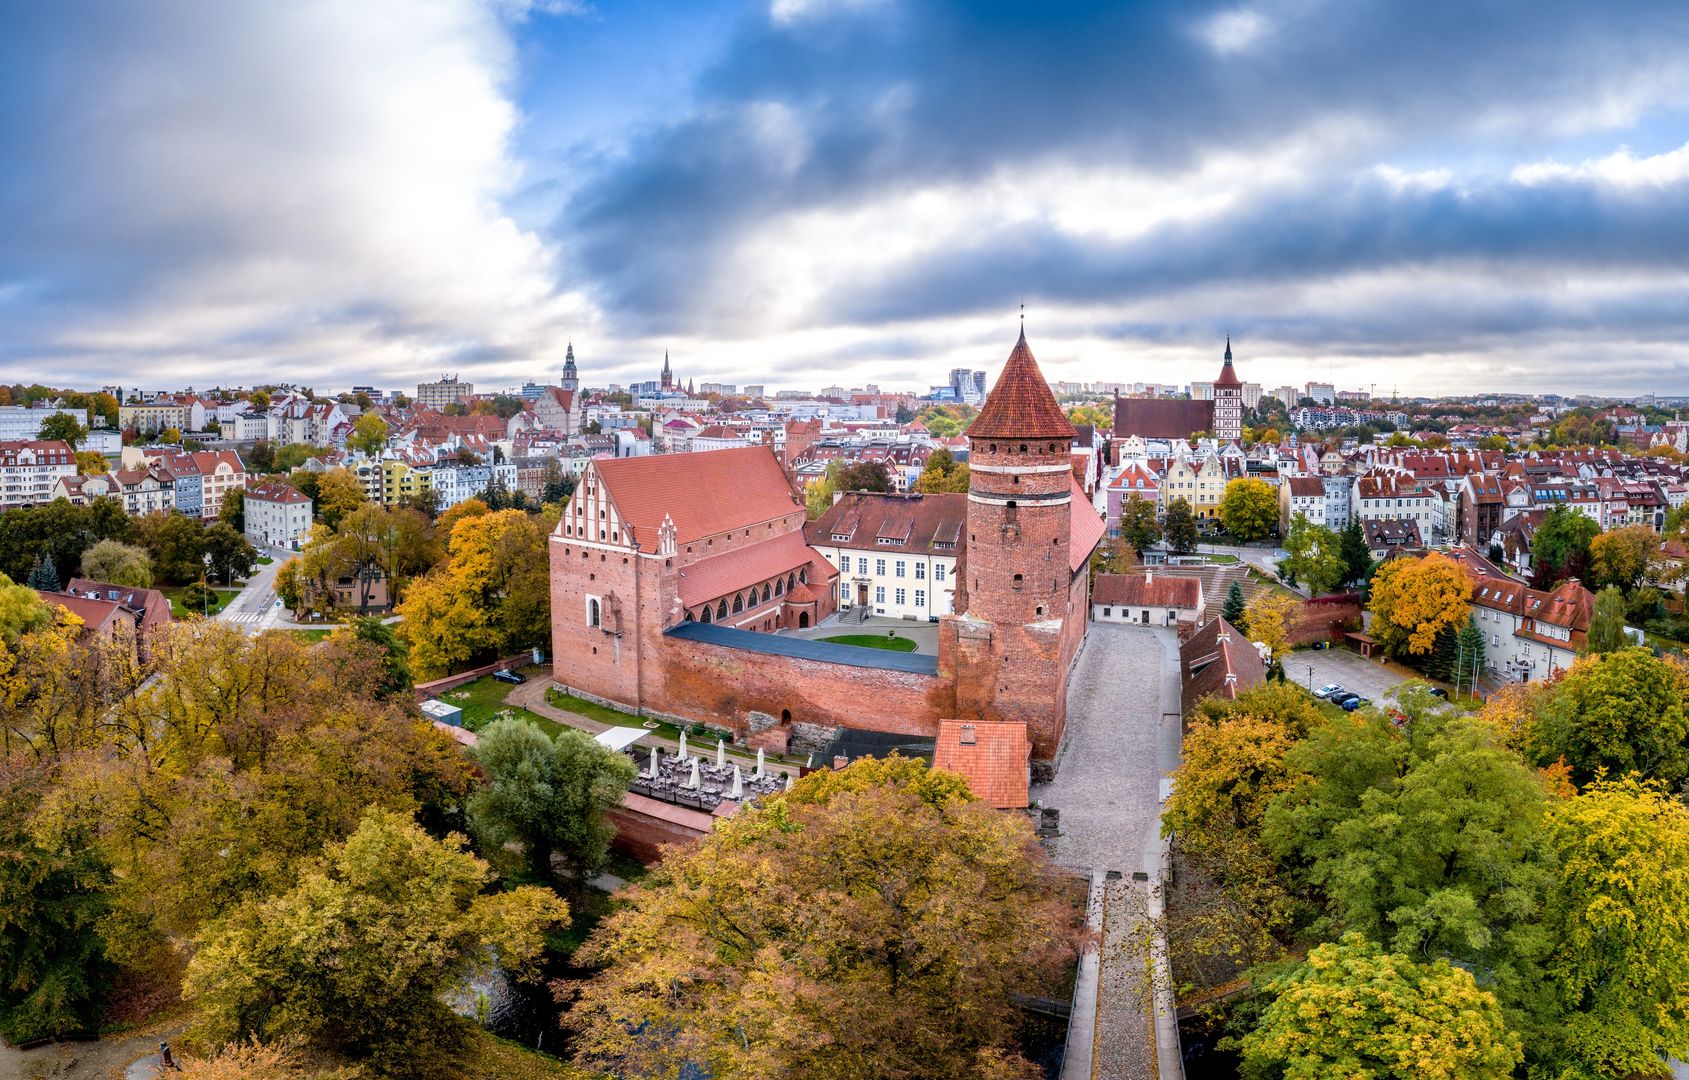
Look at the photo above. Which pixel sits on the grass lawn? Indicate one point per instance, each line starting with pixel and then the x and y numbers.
pixel 265 560
pixel 889 642
pixel 483 700
pixel 177 611
pixel 312 635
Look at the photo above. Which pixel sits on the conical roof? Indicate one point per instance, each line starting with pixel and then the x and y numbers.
pixel 1020 405
pixel 1228 377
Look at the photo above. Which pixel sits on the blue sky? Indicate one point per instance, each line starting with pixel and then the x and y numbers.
pixel 1430 197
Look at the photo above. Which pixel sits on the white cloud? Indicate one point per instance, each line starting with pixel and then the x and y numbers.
pixel 791 11
pixel 1620 169
pixel 1233 31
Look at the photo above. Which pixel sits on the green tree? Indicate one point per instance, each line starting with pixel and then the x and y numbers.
pixel 231 554
pixel 1606 625
pixel 1180 527
pixel 1353 1010
pixel 44 577
pixel 397 680
pixel 1314 556
pixel 117 563
pixel 233 511
pixel 822 938
pixel 1249 508
pixel 1619 916
pixel 21 612
pixel 1560 547
pixel 358 954
pixel 549 796
pixel 1232 610
pixel 1138 524
pixel 53 971
pixel 176 544
pixel 1621 712
pixel 1357 558
pixel 864 476
pixel 942 473
pixel 64 427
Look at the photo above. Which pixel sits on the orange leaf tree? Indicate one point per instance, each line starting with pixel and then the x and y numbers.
pixel 1412 599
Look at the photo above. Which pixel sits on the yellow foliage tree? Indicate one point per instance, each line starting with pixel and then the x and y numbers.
pixel 1412 599
pixel 1268 619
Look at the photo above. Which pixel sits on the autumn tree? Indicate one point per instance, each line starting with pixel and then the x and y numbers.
pixel 1621 557
pixel 233 511
pixel 1414 598
pixel 1138 525
pixel 1619 712
pixel 1354 1010
pixel 1560 546
pixel 339 492
pixel 229 553
pixel 1269 618
pixel 549 796
pixel 357 955
pixel 1249 508
pixel 1114 556
pixel 1606 623
pixel 822 938
pixel 117 563
pixel 942 473
pixel 1314 556
pixel 175 543
pixel 1619 919
pixel 369 434
pixel 1180 526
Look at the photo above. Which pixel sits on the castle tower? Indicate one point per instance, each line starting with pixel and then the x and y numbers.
pixel 1016 629
pixel 1228 401
pixel 571 379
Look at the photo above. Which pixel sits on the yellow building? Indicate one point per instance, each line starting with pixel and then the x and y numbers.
pixel 1202 485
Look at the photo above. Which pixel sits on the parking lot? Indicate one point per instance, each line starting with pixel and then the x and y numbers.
pixel 1365 677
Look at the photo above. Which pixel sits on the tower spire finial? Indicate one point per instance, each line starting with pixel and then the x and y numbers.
pixel 1023 322
pixel 1228 348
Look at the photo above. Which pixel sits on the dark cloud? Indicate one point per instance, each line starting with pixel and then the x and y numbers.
pixel 879 98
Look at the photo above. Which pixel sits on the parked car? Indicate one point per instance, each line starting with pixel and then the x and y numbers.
pixel 1341 696
pixel 1325 692
pixel 1437 691
pixel 1350 704
pixel 512 677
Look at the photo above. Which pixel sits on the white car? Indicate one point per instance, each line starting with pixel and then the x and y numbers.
pixel 1327 690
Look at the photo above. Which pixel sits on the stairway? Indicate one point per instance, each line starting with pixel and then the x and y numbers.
pixel 1216 582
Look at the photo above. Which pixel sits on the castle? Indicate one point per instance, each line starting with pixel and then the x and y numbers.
pixel 670 574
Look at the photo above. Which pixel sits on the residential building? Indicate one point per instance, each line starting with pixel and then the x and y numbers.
pixel 277 515
pixel 22 423
pixel 1303 495
pixel 151 417
pixel 1379 495
pixel 896 554
pixel 446 390
pixel 30 470
pixel 1529 635
pixel 1148 599
pixel 1385 536
pixel 1218 661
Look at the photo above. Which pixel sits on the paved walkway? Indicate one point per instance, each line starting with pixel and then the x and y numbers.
pixel 1122 739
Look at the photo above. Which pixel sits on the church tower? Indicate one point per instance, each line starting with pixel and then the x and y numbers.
pixel 668 376
pixel 1016 629
pixel 1228 401
pixel 571 379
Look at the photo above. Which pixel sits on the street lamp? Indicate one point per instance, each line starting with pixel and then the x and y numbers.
pixel 1310 678
pixel 205 588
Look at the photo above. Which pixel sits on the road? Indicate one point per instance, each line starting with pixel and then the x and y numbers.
pixel 254 607
pixel 1264 559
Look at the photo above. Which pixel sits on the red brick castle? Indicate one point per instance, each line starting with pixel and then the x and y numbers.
pixel 670 576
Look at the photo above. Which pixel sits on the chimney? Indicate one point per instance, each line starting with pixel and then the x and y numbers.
pixel 840 761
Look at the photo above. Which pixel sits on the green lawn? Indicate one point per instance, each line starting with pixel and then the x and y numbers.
pixel 265 560
pixel 890 642
pixel 177 611
pixel 482 701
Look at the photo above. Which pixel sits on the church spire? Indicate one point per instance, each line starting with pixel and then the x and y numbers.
pixel 668 376
pixel 1020 404
pixel 1228 348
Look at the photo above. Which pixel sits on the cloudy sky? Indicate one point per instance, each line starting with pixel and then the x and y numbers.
pixel 1428 196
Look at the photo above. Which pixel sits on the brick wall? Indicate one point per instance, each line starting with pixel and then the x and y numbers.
pixel 644 826
pixel 426 690
pixel 1325 618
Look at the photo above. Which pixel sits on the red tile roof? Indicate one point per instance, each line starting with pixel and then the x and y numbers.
pixel 993 756
pixel 1020 404
pixel 1085 528
pixel 705 494
pixel 722 575
pixel 1147 590
pixel 920 524
pixel 1218 660
pixel 96 615
pixel 1161 418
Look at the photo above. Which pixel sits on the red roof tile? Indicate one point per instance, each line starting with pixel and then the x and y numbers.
pixel 1020 404
pixel 705 494
pixel 722 575
pixel 993 756
pixel 1161 418
pixel 1085 529
pixel 1147 590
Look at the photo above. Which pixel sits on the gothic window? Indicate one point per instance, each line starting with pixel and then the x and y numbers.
pixel 738 603
pixel 766 593
pixel 803 575
pixel 705 615
pixel 592 611
pixel 688 616
pixel 780 587
pixel 721 610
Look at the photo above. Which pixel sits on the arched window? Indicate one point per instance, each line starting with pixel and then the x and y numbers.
pixel 704 616
pixel 803 575
pixel 791 581
pixel 767 594
pixel 592 611
pixel 738 603
pixel 780 587
pixel 721 610
pixel 688 616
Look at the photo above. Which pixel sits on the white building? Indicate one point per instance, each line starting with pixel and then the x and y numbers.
pixel 31 470
pixel 19 423
pixel 277 515
pixel 896 554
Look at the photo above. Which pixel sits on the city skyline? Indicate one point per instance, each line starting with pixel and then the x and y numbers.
pixel 851 191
